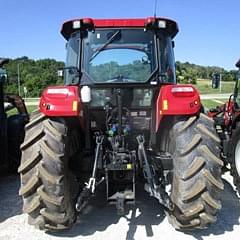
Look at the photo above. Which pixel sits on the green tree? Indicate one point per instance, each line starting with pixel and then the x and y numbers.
pixel 34 75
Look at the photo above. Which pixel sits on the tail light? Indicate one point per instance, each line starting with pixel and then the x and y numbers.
pixel 156 23
pixel 183 91
pixel 59 91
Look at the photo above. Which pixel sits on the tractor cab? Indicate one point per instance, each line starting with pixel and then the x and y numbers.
pixel 117 51
pixel 134 55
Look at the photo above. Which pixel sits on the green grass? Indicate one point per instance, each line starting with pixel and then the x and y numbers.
pixel 212 104
pixel 205 87
pixel 31 108
pixel 14 110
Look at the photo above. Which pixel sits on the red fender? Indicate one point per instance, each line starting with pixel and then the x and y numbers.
pixel 180 99
pixel 61 101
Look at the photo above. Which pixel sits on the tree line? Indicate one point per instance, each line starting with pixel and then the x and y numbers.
pixel 189 73
pixel 35 75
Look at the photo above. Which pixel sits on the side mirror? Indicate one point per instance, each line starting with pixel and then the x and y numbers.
pixel 216 78
pixel 69 70
pixel 238 64
pixel 3 75
pixel 173 44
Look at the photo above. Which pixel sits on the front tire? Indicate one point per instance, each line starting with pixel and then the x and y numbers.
pixel 46 180
pixel 196 182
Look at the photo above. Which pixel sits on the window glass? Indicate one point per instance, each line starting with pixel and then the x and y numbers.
pixel 72 61
pixel 119 56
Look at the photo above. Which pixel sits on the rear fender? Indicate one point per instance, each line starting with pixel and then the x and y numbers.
pixel 180 99
pixel 61 101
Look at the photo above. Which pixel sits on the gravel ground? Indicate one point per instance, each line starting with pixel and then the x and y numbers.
pixel 145 220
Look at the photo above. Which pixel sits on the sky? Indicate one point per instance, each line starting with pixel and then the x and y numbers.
pixel 209 29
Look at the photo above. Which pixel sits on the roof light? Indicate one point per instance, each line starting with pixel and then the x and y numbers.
pixel 76 24
pixel 88 21
pixel 162 24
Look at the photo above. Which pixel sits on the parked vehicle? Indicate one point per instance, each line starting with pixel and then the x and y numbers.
pixel 11 127
pixel 227 120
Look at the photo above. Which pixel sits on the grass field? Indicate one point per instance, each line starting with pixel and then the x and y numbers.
pixel 213 103
pixel 14 111
pixel 205 87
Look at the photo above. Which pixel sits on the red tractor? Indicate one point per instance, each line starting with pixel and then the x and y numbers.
pixel 120 119
pixel 227 119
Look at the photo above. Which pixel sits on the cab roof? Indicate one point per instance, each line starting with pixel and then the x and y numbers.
pixel 88 23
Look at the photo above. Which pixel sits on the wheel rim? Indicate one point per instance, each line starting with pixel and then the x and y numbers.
pixel 237 157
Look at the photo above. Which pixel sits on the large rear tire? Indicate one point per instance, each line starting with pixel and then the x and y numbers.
pixel 196 182
pixel 47 185
pixel 235 157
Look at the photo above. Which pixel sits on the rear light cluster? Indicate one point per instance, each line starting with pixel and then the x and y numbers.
pixel 83 23
pixel 76 24
pixel 156 23
pixel 183 91
pixel 64 91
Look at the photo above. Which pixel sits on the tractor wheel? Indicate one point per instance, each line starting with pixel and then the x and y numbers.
pixel 235 157
pixel 16 125
pixel 196 181
pixel 47 184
